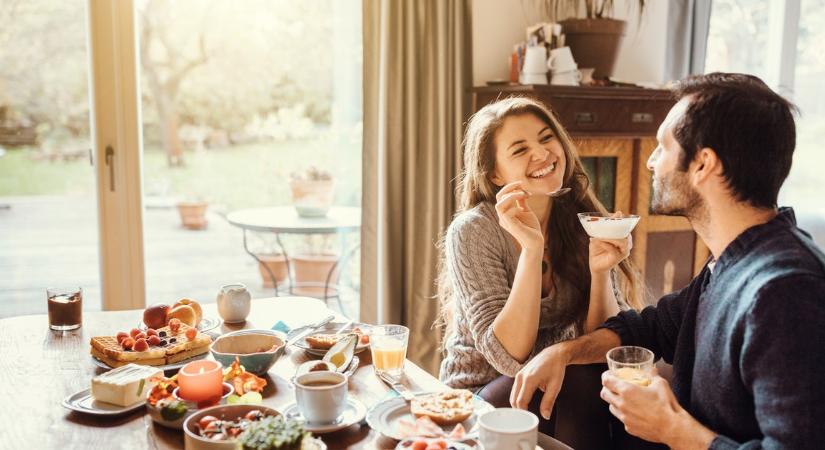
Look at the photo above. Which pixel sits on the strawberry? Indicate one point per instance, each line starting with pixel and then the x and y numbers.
pixel 127 343
pixel 191 333
pixel 141 345
pixel 139 336
pixel 121 335
pixel 174 325
pixel 151 332
pixel 134 332
pixel 153 340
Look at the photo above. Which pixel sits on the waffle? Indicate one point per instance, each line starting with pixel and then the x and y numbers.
pixel 106 349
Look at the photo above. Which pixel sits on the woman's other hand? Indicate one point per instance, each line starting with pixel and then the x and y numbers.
pixel 515 216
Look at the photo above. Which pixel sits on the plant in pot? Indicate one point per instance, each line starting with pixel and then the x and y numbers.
pixel 314 265
pixel 313 191
pixel 590 30
pixel 271 260
pixel 192 213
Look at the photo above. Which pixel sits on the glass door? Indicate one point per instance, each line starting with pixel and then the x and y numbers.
pixel 251 110
pixel 48 210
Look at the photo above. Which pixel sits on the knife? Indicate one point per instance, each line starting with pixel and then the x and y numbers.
pixel 309 329
pixel 397 386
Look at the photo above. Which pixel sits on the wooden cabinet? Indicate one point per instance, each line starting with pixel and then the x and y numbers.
pixel 615 132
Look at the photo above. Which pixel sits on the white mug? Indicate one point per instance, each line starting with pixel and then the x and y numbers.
pixel 535 60
pixel 569 78
pixel 321 396
pixel 532 78
pixel 234 303
pixel 508 429
pixel 587 74
pixel 561 60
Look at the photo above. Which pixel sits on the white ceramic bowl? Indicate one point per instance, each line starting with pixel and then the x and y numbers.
pixel 602 226
pixel 191 408
pixel 257 350
pixel 194 441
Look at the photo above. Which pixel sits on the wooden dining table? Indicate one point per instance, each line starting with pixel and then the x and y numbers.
pixel 40 367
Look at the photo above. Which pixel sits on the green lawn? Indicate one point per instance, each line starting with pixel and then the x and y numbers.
pixel 238 177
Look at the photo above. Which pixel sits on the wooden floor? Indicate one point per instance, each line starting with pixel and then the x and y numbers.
pixel 52 241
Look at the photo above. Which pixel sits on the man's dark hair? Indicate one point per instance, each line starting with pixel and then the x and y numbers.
pixel 750 127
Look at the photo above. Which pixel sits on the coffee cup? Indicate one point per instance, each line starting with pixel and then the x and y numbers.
pixel 561 60
pixel 508 428
pixel 321 396
pixel 569 78
pixel 533 78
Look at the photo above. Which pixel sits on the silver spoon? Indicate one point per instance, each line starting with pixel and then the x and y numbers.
pixel 559 192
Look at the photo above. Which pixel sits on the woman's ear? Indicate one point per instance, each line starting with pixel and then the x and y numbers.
pixel 496 179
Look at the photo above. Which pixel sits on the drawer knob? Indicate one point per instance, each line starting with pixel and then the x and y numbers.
pixel 641 118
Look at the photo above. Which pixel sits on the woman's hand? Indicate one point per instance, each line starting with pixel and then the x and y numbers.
pixel 515 216
pixel 605 254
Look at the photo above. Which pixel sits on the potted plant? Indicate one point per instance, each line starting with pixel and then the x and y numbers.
pixel 590 31
pixel 314 265
pixel 193 213
pixel 312 192
pixel 272 260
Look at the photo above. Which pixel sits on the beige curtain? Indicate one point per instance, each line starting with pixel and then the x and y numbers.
pixel 417 69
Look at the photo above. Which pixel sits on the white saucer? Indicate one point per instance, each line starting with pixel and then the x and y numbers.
pixel 82 401
pixel 354 412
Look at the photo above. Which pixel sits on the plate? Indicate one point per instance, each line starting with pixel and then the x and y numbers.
pixel 205 325
pixel 83 402
pixel 353 413
pixel 329 328
pixel 384 416
pixel 164 368
pixel 406 444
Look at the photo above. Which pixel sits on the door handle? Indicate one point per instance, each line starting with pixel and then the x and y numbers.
pixel 110 157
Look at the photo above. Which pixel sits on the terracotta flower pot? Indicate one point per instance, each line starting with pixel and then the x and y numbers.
pixel 314 268
pixel 193 215
pixel 277 264
pixel 312 198
pixel 594 42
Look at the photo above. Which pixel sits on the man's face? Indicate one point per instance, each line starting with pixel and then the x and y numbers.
pixel 673 194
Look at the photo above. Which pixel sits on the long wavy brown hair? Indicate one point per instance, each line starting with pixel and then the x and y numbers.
pixel 569 241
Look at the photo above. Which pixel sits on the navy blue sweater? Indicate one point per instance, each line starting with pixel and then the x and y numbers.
pixel 747 340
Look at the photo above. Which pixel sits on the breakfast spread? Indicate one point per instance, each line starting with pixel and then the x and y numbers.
pixel 170 344
pixel 444 408
pixel 125 386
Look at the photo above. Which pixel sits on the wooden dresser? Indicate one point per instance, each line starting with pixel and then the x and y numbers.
pixel 615 131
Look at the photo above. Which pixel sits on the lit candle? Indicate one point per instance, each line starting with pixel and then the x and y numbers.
pixel 201 381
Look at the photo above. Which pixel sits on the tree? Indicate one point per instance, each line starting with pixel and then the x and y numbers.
pixel 165 73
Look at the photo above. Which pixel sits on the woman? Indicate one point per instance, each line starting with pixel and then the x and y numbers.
pixel 518 271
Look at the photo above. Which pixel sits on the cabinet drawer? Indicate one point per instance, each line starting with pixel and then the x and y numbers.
pixel 637 117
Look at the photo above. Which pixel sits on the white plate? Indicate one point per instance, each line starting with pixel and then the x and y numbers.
pixel 353 413
pixel 164 368
pixel 384 416
pixel 406 444
pixel 329 328
pixel 83 402
pixel 205 325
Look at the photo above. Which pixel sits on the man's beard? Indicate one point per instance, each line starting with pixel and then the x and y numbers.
pixel 674 196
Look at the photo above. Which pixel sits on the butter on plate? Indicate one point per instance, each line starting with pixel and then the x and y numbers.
pixel 125 386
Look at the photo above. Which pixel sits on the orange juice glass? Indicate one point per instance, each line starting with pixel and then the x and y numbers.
pixel 631 364
pixel 388 344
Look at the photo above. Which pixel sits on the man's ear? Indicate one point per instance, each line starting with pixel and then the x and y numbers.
pixel 705 165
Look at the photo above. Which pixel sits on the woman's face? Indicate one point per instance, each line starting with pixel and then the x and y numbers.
pixel 527 150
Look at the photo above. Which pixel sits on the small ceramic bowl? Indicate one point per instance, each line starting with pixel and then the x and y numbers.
pixel 257 350
pixel 194 441
pixel 603 226
pixel 191 408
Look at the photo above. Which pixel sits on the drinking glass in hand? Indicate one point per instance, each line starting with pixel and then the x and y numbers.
pixel 631 364
pixel 388 344
pixel 65 308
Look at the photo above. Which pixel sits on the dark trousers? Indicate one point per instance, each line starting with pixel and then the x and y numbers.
pixel 580 418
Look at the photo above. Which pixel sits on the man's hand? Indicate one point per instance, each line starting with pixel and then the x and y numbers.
pixel 546 372
pixel 653 413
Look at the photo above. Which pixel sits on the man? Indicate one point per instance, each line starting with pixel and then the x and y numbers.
pixel 747 336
